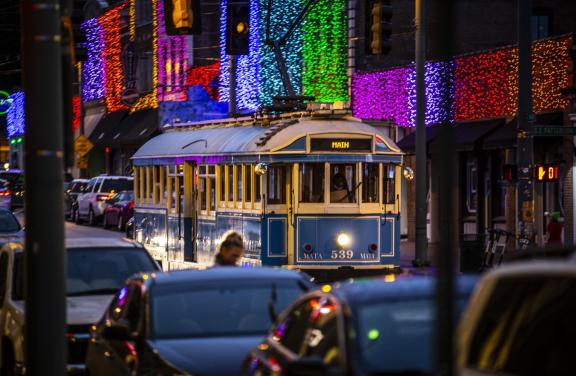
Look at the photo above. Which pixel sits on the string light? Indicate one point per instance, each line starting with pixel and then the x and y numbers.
pixel 15 117
pixel 93 68
pixel 114 79
pixel 207 77
pixel 282 15
pixel 485 86
pixel 325 51
pixel 132 14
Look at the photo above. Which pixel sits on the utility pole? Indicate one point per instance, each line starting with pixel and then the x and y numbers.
pixel 232 110
pixel 446 159
pixel 525 150
pixel 421 257
pixel 45 273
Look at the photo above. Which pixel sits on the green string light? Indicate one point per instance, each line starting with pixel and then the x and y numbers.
pixel 325 51
pixel 373 334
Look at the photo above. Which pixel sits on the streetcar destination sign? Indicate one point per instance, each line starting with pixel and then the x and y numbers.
pixel 341 144
pixel 553 130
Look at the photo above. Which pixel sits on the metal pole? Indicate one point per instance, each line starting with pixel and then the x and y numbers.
pixel 420 257
pixel 232 105
pixel 82 173
pixel 44 256
pixel 66 7
pixel 525 150
pixel 447 194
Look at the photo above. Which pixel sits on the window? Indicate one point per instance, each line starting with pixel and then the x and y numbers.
pixel 3 276
pixel 248 183
pixel 201 190
pixel 212 180
pixel 240 177
pixel 311 182
pixel 526 327
pixel 230 180
pixel 290 331
pixel 343 183
pixel 276 184
pixel 541 23
pixel 370 182
pixel 389 184
pixel 222 183
pixel 471 186
pixel 257 188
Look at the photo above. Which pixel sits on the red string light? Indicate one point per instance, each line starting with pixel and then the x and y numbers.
pixel 114 81
pixel 205 76
pixel 75 112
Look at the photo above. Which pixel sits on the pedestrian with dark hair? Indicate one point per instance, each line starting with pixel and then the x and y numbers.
pixel 230 250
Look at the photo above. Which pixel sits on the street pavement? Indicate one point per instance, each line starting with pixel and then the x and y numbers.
pixel 80 231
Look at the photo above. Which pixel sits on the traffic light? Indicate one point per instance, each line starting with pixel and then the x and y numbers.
pixel 510 173
pixel 380 29
pixel 238 28
pixel 182 17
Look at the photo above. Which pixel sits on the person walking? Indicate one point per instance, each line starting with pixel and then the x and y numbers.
pixel 230 250
pixel 554 230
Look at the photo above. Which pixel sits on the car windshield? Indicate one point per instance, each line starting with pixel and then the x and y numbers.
pixel 94 271
pixel 234 309
pixel 8 223
pixel 12 177
pixel 116 185
pixel 397 336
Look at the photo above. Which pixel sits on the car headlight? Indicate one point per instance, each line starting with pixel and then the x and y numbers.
pixel 343 239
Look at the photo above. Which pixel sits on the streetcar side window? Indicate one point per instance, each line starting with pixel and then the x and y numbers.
pixel 230 180
pixel 212 187
pixel 239 180
pixel 222 183
pixel 257 188
pixel 343 183
pixel 201 195
pixel 370 182
pixel 388 184
pixel 276 184
pixel 311 182
pixel 248 197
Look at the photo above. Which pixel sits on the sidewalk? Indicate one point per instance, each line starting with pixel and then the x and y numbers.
pixel 407 253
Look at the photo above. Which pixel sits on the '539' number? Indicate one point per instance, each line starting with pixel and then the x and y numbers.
pixel 342 254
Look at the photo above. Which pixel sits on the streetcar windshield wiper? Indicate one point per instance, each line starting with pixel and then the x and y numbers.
pixel 105 291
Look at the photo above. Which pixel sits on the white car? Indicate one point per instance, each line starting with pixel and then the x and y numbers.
pixel 92 200
pixel 521 321
pixel 97 269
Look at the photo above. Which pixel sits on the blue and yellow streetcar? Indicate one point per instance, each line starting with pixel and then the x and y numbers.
pixel 307 191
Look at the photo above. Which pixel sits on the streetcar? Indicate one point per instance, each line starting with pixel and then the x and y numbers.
pixel 307 191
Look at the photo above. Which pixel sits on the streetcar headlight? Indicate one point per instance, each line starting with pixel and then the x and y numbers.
pixel 343 239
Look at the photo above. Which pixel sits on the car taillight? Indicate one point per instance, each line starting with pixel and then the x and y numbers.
pixel 102 197
pixel 131 206
pixel 5 193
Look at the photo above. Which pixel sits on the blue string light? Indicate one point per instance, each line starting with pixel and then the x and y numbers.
pixel 93 69
pixel 15 117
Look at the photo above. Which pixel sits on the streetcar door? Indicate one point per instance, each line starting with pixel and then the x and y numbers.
pixel 189 212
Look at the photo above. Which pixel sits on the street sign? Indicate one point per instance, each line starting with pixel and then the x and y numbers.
pixel 553 131
pixel 82 145
pixel 82 162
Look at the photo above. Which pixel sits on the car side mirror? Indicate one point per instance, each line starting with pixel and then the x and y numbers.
pixel 310 366
pixel 116 331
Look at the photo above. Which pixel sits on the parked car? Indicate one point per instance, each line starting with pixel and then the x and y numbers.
pixel 10 228
pixel 15 179
pixel 370 327
pixel 119 210
pixel 521 321
pixel 75 187
pixel 97 268
pixel 200 322
pixel 92 201
pixel 5 195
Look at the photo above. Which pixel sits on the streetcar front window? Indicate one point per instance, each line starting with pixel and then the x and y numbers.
pixel 276 184
pixel 343 183
pixel 370 182
pixel 312 182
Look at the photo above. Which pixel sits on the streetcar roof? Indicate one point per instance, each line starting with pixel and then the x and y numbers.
pixel 253 139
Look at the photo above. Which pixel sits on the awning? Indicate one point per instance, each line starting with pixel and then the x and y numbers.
pixel 466 135
pixel 91 120
pixel 107 129
pixel 505 136
pixel 138 127
pixel 408 143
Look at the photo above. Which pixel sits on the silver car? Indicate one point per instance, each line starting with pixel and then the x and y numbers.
pixel 92 200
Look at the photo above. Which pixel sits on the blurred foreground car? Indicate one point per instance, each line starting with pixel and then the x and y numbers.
pixel 119 210
pixel 520 321
pixel 15 179
pixel 5 195
pixel 97 268
pixel 200 322
pixel 369 327
pixel 10 229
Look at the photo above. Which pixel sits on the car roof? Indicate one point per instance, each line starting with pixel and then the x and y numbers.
pixel 225 274
pixel 536 268
pixel 101 243
pixel 372 290
pixel 79 180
